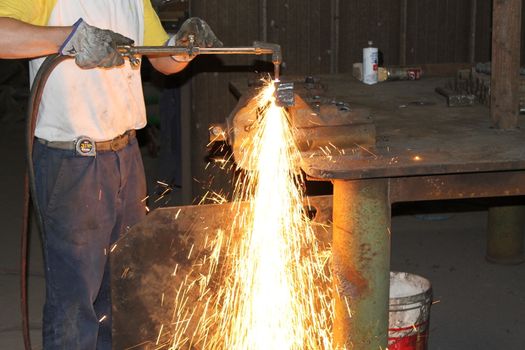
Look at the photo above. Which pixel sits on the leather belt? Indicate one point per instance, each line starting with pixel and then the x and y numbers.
pixel 85 146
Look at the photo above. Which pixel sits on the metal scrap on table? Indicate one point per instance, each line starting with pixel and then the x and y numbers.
pixel 471 86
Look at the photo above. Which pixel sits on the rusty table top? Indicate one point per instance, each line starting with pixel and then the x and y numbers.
pixel 417 134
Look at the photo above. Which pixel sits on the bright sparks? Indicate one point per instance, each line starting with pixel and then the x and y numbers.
pixel 272 286
pixel 272 297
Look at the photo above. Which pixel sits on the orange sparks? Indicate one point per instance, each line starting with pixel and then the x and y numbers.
pixel 273 288
pixel 272 296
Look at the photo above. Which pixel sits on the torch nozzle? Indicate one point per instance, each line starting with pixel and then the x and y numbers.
pixel 275 50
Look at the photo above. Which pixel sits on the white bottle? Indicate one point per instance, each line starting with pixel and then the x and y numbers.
pixel 370 64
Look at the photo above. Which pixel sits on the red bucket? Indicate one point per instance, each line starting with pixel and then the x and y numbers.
pixel 409 311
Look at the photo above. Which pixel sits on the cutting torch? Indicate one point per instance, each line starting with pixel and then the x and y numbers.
pixel 283 91
pixel 258 48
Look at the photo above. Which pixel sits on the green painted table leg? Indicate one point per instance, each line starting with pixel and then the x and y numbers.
pixel 506 228
pixel 361 263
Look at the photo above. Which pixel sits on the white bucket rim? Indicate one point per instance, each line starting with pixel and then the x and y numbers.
pixel 409 290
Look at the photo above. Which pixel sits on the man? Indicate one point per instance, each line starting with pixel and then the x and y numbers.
pixel 90 177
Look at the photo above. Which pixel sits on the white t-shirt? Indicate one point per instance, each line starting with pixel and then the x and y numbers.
pixel 99 103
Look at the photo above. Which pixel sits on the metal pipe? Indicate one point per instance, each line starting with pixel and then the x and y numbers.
pixel 361 263
pixel 174 50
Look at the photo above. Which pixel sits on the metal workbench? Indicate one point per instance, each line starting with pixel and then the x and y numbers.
pixel 418 134
pixel 424 151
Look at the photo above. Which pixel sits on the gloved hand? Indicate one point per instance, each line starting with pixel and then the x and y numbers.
pixel 203 36
pixel 94 47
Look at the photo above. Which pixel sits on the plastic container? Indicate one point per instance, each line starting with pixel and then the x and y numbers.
pixel 370 60
pixel 409 311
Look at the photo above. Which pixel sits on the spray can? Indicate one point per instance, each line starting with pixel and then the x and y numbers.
pixel 370 60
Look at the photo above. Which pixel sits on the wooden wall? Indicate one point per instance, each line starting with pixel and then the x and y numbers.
pixel 316 33
pixel 326 36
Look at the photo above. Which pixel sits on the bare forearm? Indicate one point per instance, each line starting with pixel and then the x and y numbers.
pixel 22 40
pixel 167 65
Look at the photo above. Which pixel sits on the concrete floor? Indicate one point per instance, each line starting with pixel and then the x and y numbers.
pixel 479 305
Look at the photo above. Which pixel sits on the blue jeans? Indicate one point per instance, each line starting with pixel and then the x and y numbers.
pixel 86 204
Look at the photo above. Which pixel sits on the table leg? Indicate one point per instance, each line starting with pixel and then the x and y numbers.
pixel 361 263
pixel 506 228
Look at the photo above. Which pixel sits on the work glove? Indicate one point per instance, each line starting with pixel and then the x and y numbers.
pixel 203 36
pixel 94 47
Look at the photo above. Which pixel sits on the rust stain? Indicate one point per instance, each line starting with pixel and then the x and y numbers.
pixel 350 281
pixel 365 255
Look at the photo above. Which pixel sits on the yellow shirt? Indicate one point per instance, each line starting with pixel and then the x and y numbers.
pixel 37 12
pixel 99 103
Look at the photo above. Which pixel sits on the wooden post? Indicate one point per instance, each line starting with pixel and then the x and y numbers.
pixel 472 34
pixel 506 30
pixel 334 22
pixel 403 22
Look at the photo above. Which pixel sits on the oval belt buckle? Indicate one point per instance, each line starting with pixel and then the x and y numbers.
pixel 85 146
